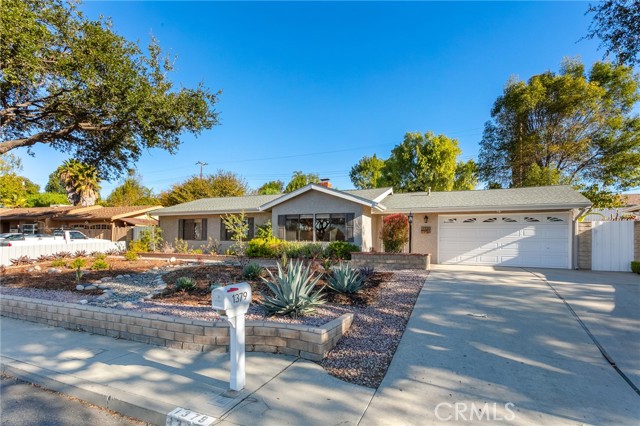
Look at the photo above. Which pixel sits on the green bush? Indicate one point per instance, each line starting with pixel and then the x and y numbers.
pixel 181 245
pixel 131 255
pixel 395 232
pixel 293 291
pixel 100 256
pixel 341 250
pixel 264 247
pixel 138 246
pixel 312 251
pixel 78 263
pixel 635 267
pixel 252 271
pixel 344 279
pixel 185 284
pixel 100 264
pixel 264 231
pixel 59 263
pixel 195 251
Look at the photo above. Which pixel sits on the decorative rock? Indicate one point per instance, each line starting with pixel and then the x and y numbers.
pixel 80 287
pixel 37 268
pixel 83 302
pixel 53 271
pixel 118 277
pixel 172 259
pixel 104 279
pixel 90 287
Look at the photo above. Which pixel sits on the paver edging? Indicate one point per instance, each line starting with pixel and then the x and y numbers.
pixel 307 342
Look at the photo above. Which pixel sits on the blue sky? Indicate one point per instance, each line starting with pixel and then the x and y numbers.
pixel 314 86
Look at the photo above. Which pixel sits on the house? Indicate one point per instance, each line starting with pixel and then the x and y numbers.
pixel 511 227
pixel 629 211
pixel 109 223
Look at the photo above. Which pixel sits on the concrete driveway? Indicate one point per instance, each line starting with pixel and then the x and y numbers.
pixel 497 346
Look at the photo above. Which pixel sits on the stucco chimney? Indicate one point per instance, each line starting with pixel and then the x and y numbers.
pixel 325 182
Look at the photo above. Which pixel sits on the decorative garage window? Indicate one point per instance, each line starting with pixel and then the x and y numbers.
pixel 508 219
pixel 451 220
pixel 101 226
pixel 554 219
pixel 491 219
pixel 531 219
pixel 321 227
pixel 470 220
pixel 192 229
pixel 227 235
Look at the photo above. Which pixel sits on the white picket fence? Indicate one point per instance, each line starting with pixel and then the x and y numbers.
pixel 611 245
pixel 35 250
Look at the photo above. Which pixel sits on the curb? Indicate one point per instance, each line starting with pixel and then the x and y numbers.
pixel 123 402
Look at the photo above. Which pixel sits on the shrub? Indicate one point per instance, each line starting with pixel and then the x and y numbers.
pixel 212 246
pixel 185 284
pixel 341 250
pixel 366 272
pixel 344 279
pixel 181 245
pixel 80 253
pixel 395 232
pixel 264 247
pixel 635 266
pixel 131 255
pixel 59 263
pixel 151 238
pixel 138 246
pixel 293 291
pixel 100 264
pixel 99 256
pixel 311 251
pixel 63 255
pixel 252 271
pixel 195 251
pixel 78 263
pixel 264 231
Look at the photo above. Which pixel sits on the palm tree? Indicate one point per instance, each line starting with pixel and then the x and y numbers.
pixel 81 181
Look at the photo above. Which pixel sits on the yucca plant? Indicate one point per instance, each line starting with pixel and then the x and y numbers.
pixel 344 279
pixel 293 291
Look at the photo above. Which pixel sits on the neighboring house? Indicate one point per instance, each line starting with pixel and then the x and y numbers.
pixel 510 227
pixel 630 211
pixel 108 223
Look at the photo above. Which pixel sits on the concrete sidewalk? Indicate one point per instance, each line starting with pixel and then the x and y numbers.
pixel 147 382
pixel 490 346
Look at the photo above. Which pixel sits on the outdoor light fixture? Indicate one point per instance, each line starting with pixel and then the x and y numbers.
pixel 426 219
pixel 410 223
pixel 410 217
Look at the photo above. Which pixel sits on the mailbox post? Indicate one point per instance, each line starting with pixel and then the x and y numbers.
pixel 234 300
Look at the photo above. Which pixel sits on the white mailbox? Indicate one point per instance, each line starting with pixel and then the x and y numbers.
pixel 233 299
pixel 233 302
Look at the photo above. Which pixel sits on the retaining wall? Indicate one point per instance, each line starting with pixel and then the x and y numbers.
pixel 312 343
pixel 391 260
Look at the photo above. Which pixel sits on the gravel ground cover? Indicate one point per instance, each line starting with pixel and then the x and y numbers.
pixel 362 356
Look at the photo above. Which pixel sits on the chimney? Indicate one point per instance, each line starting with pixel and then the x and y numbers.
pixel 429 191
pixel 325 182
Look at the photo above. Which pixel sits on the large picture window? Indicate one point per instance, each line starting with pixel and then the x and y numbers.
pixel 321 227
pixel 192 229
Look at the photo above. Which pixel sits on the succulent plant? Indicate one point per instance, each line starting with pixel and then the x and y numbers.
pixel 344 278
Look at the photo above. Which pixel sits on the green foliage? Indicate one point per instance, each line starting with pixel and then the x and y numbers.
pixel 421 162
pixel 211 247
pixel 616 24
pixel 100 264
pixel 635 266
pixel 395 232
pixel 72 82
pixel 265 230
pixel 299 179
pixel 55 185
pixel 81 181
pixel 466 176
pixel 344 279
pixel 252 271
pixel 138 246
pixel 185 284
pixel 221 184
pixel 196 251
pixel 59 263
pixel 341 250
pixel 312 250
pixel 77 264
pixel 238 225
pixel 46 199
pixel 100 256
pixel 131 255
pixel 367 173
pixel 180 245
pixel 571 127
pixel 10 164
pixel 151 238
pixel 272 187
pixel 293 291
pixel 131 193
pixel 264 247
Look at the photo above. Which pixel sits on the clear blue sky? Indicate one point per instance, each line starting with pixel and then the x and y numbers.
pixel 315 86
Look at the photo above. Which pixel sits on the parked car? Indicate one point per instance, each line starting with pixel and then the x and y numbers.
pixel 67 236
pixel 12 236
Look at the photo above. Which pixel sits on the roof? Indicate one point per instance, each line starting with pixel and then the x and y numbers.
pixel 532 198
pixel 247 203
pixel 375 194
pixel 631 199
pixel 108 213
pixel 35 212
pixel 143 222
pixel 353 196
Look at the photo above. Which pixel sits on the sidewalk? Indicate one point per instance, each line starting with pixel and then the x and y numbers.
pixel 147 382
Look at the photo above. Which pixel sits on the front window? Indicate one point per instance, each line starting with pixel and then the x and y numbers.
pixel 193 229
pixel 321 227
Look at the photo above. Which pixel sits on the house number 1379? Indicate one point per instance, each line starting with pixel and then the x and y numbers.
pixel 239 297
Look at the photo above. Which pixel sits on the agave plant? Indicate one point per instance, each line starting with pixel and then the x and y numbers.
pixel 293 291
pixel 366 272
pixel 344 279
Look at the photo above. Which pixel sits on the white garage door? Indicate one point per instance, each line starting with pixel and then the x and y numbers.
pixel 538 240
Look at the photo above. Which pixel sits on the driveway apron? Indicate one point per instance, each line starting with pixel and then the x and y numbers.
pixel 497 346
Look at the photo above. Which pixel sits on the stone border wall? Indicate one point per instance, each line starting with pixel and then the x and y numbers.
pixel 311 343
pixel 584 245
pixel 391 260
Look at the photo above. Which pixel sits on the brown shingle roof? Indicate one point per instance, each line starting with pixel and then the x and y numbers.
pixel 35 212
pixel 109 213
pixel 631 199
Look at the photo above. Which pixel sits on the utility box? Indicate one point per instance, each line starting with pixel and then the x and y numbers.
pixel 233 299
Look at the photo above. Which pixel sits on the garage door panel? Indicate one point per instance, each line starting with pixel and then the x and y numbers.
pixel 508 240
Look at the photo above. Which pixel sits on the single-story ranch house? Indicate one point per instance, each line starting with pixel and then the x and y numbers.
pixel 511 227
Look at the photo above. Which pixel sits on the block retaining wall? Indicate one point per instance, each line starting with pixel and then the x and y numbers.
pixel 311 343
pixel 391 260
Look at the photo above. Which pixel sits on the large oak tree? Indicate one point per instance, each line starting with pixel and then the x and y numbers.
pixel 76 85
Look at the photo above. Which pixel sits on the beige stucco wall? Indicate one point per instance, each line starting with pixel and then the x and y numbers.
pixel 313 202
pixel 169 225
pixel 421 242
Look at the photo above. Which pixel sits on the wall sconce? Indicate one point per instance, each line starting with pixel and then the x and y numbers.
pixel 426 219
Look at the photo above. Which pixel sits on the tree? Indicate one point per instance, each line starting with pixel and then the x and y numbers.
pixel 466 177
pixel 568 128
pixel 299 179
pixel 81 181
pixel 272 187
pixel 10 163
pixel 222 184
pixel 54 185
pixel 617 24
pixel 131 193
pixel 15 190
pixel 367 173
pixel 76 85
pixel 45 199
pixel 395 232
pixel 421 162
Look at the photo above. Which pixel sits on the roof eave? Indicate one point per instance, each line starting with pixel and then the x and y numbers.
pixel 515 207
pixel 319 188
pixel 207 212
